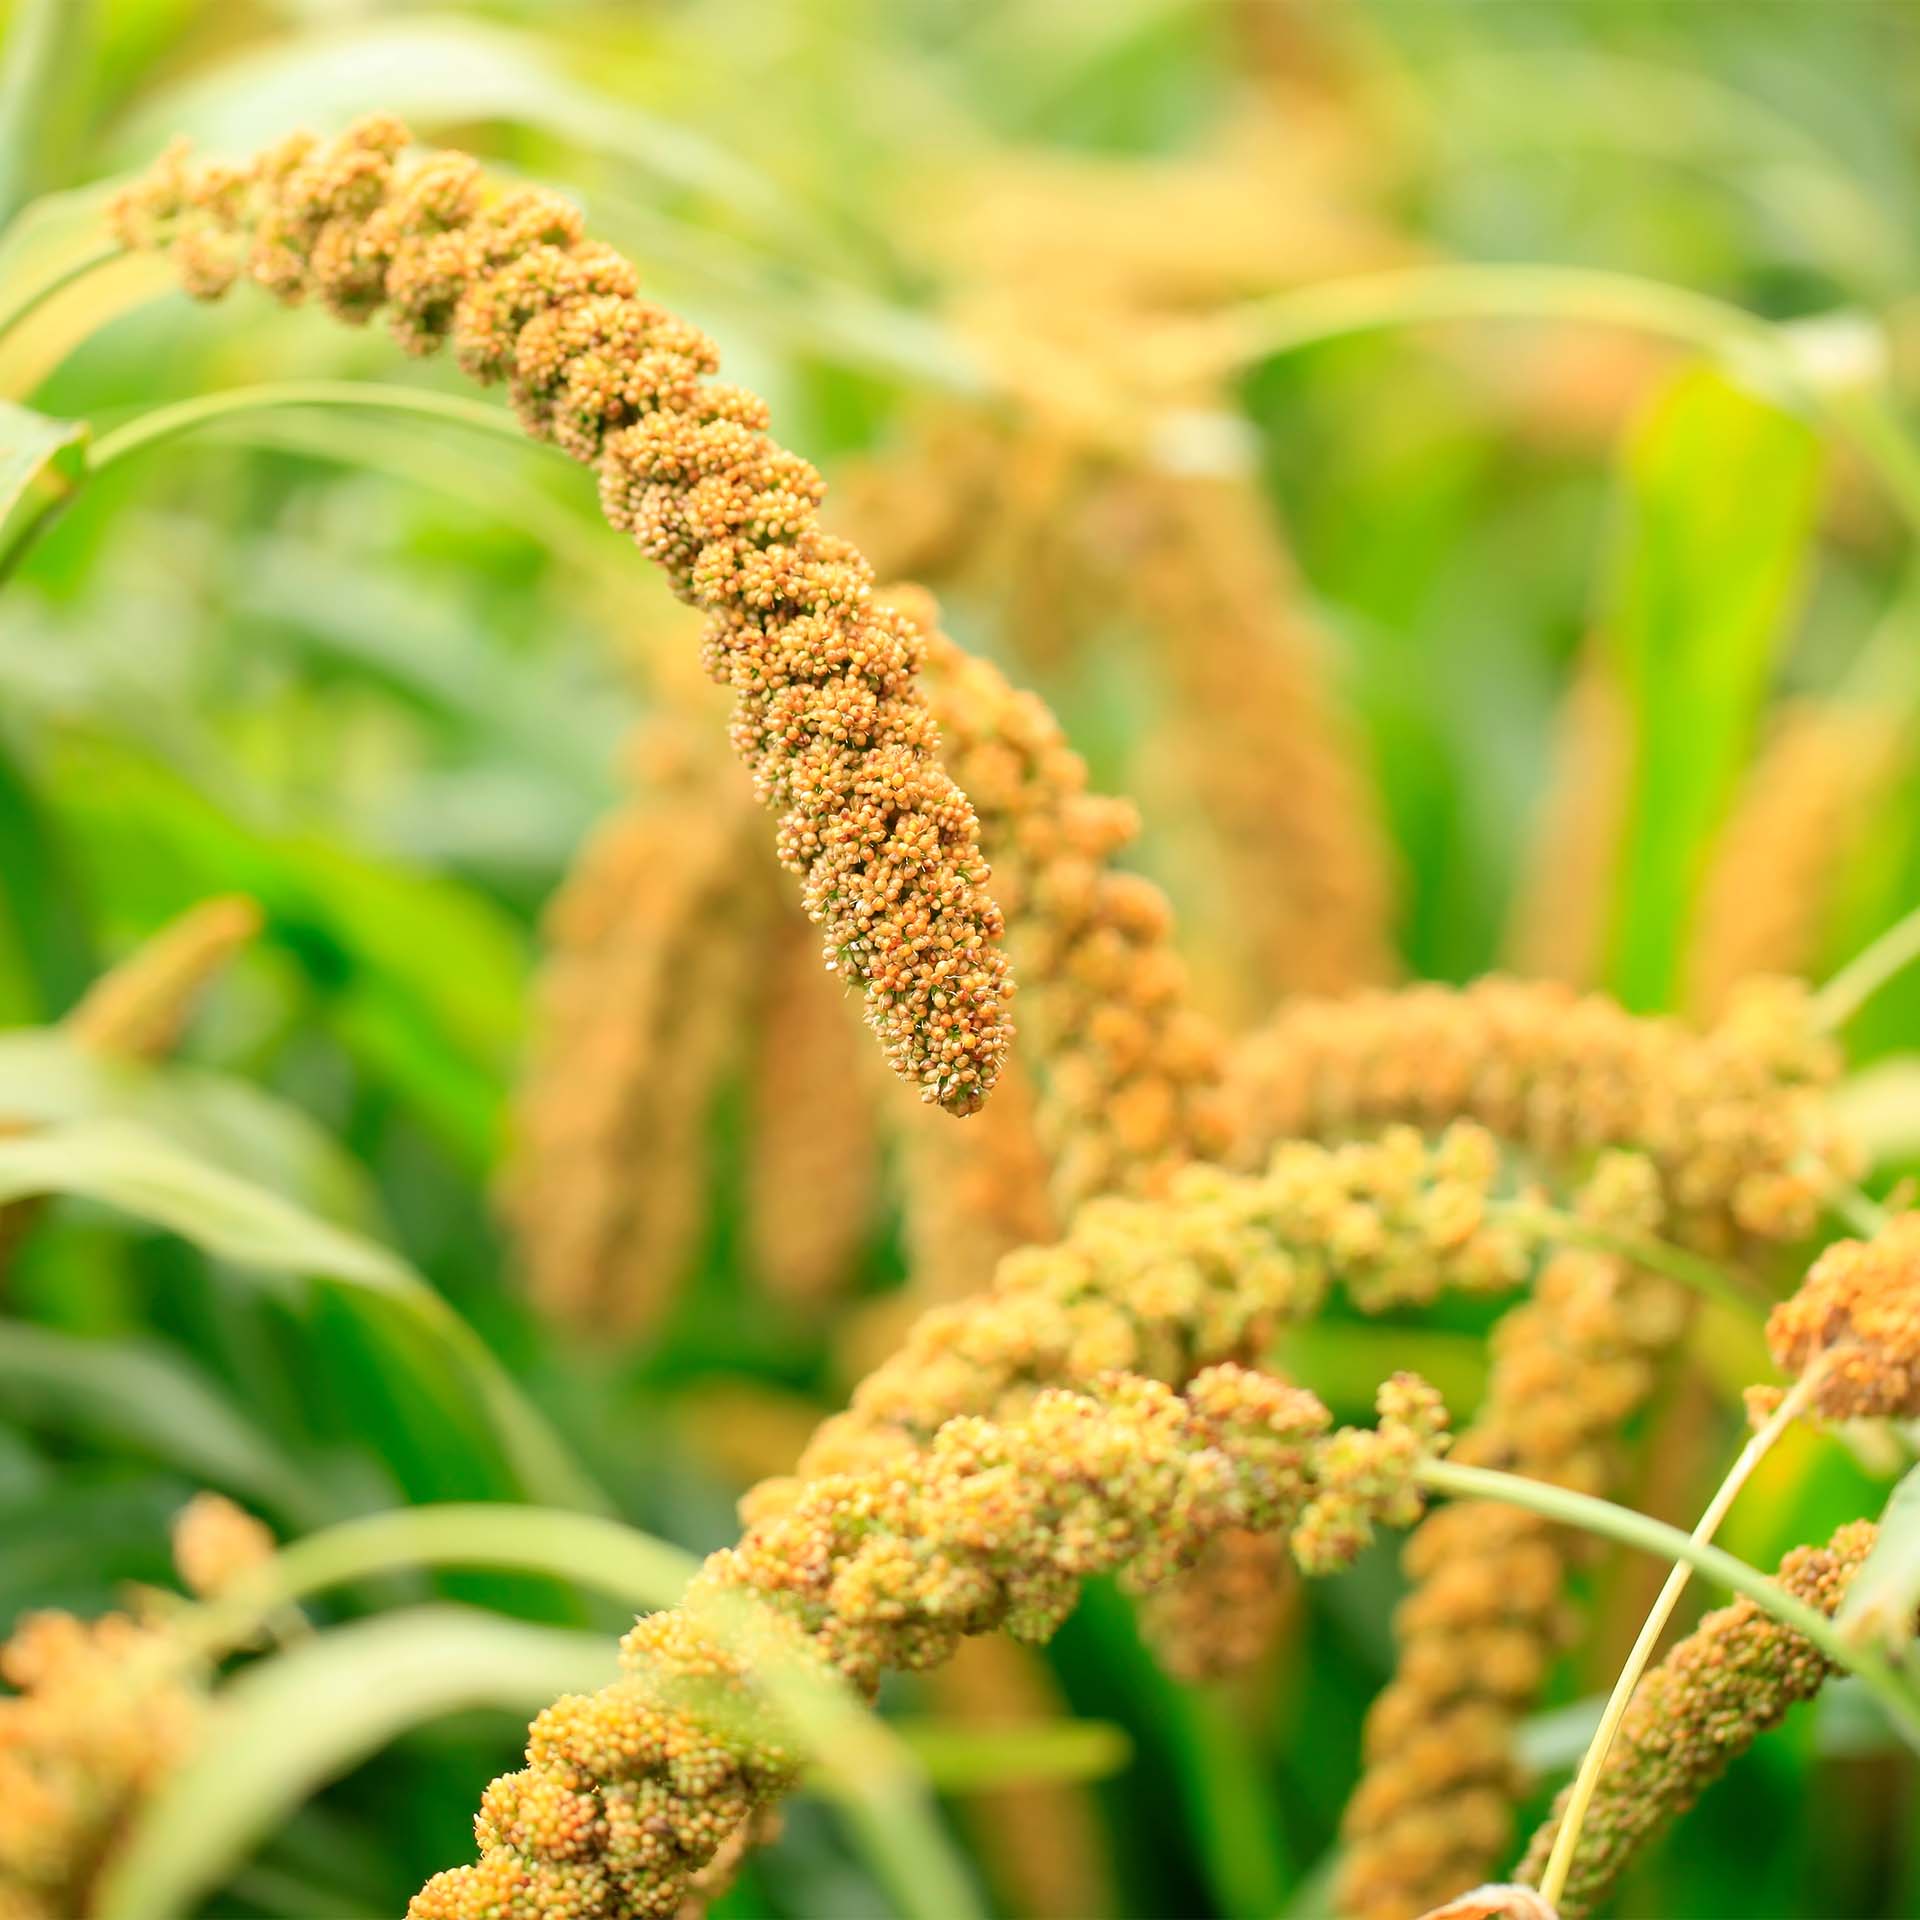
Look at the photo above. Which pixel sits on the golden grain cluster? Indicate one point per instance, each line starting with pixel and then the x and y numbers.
pixel 1103 1258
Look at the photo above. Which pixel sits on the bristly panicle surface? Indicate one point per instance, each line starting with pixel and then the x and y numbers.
pixel 627 1793
pixel 1128 1069
pixel 1857 1315
pixel 1734 1118
pixel 828 714
pixel 1203 1276
pixel 607 1190
pixel 1694 1714
pixel 1488 1611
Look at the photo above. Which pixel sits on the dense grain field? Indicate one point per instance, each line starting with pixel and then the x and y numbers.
pixel 959 961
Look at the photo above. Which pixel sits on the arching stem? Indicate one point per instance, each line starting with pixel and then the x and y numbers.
pixel 1560 1862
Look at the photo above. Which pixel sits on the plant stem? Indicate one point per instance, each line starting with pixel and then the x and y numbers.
pixel 1690 1270
pixel 585 1549
pixel 187 416
pixel 161 424
pixel 1413 296
pixel 1560 1861
pixel 1632 1529
pixel 29 304
pixel 1867 972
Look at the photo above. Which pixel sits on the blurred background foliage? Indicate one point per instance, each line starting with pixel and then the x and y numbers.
pixel 372 669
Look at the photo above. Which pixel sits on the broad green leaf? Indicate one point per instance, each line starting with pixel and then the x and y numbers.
pixel 579 1549
pixel 293 1722
pixel 143 1398
pixel 1884 1599
pixel 958 1757
pixel 126 1167
pixel 1719 491
pixel 46 1079
pixel 424 976
pixel 43 67
pixel 41 460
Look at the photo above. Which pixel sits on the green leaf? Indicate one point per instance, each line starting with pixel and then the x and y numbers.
pixel 41 462
pixel 1885 1596
pixel 126 1167
pixel 42 76
pixel 376 936
pixel 46 1079
pixel 41 903
pixel 580 1549
pixel 143 1398
pixel 959 1757
pixel 299 1719
pixel 1719 495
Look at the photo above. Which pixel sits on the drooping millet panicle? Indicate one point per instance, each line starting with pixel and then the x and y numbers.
pixel 828 714
pixel 1128 1066
pixel 1202 1276
pixel 1722 1686
pixel 629 1791
pixel 137 1010
pixel 1128 1071
pixel 607 1188
pixel 1858 1314
pixel 1728 1141
pixel 1557 925
pixel 813 1169
pixel 102 1711
pixel 1799 812
pixel 1487 1611
pixel 1734 1119
pixel 1226 1613
pixel 216 1543
pixel 1266 753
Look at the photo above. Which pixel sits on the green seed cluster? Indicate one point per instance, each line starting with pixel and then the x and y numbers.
pixel 1166 1287
pixel 828 714
pixel 629 1793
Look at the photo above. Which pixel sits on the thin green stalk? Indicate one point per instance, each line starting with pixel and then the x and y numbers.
pixel 1413 296
pixel 1637 1530
pixel 1560 1862
pixel 161 424
pixel 586 1549
pixel 1690 1270
pixel 188 416
pixel 30 303
pixel 1867 972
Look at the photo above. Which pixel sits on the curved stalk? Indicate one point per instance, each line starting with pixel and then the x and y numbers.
pixel 1560 1862
pixel 1413 296
pixel 30 303
pixel 1637 1530
pixel 188 416
pixel 1883 960
pixel 1701 1276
